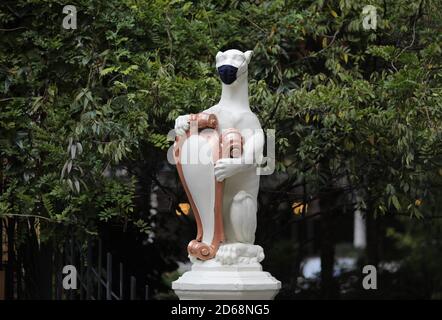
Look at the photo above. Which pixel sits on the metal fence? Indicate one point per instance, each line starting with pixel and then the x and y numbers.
pixel 95 277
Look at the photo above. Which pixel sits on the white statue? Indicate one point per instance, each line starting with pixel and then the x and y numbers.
pixel 222 189
pixel 241 180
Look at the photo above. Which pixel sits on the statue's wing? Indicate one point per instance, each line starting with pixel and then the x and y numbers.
pixel 195 155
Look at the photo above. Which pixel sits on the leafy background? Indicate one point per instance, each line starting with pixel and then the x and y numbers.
pixel 85 115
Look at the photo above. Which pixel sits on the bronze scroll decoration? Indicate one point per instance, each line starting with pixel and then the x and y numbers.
pixel 229 146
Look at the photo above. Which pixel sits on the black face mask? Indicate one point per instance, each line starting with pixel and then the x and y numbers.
pixel 227 73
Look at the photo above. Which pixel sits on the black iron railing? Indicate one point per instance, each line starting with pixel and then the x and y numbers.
pixel 94 281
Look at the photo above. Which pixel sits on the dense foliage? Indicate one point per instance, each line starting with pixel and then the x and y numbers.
pixel 356 112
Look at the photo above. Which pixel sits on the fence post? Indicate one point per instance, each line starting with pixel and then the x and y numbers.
pixel 58 275
pixel 121 281
pixel 146 297
pixel 109 277
pixel 72 262
pixel 133 288
pixel 99 267
pixel 89 270
pixel 81 278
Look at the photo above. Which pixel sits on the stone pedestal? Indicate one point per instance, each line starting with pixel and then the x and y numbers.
pixel 211 280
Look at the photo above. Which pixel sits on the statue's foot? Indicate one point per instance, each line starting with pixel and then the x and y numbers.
pixel 239 253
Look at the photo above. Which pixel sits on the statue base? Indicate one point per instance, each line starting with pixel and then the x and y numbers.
pixel 211 280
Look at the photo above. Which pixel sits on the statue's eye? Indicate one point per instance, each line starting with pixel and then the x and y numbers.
pixel 240 59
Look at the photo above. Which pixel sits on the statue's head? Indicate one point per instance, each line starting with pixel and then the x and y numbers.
pixel 232 64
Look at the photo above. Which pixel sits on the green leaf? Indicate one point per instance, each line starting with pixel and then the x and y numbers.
pixel 395 202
